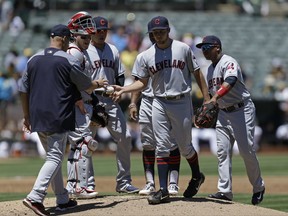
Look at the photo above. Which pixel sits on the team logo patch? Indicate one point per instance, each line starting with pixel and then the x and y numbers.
pixel 230 66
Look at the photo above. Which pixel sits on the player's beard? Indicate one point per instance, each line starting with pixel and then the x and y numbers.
pixel 162 41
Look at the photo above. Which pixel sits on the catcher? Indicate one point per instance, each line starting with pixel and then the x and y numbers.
pixel 206 115
pixel 80 183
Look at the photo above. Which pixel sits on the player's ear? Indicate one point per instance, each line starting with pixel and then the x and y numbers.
pixel 168 29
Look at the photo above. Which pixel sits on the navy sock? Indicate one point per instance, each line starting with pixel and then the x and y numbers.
pixel 174 164
pixel 148 158
pixel 194 165
pixel 163 168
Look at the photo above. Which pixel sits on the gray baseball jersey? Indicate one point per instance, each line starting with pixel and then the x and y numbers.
pixel 106 64
pixel 227 66
pixel 171 71
pixel 145 111
pixel 236 121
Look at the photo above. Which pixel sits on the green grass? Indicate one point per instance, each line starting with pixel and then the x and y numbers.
pixel 104 165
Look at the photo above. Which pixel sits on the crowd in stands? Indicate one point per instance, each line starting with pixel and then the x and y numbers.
pixel 130 40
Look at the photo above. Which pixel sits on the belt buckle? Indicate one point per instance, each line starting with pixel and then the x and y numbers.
pixel 177 97
pixel 169 97
pixel 230 109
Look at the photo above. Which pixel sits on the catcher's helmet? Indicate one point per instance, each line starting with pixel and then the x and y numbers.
pixel 81 23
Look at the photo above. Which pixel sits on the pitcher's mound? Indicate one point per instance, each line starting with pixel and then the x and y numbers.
pixel 134 205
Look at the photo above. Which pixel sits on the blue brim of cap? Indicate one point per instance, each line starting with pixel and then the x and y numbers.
pixel 103 28
pixel 201 44
pixel 160 28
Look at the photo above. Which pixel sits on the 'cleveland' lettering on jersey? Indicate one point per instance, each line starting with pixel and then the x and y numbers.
pixel 167 64
pixel 215 81
pixel 104 63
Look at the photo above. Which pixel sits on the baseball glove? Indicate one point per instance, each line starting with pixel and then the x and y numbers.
pixel 99 116
pixel 206 115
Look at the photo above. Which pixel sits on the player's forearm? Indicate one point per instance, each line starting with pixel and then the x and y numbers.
pixel 96 84
pixel 25 104
pixel 202 84
pixel 135 87
pixel 223 90
pixel 135 97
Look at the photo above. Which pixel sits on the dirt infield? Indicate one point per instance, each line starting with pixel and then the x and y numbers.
pixel 138 206
pixel 128 205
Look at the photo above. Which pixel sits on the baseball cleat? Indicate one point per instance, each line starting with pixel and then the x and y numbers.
pixel 194 186
pixel 128 188
pixel 161 196
pixel 37 207
pixel 148 189
pixel 69 205
pixel 173 189
pixel 83 193
pixel 220 196
pixel 258 197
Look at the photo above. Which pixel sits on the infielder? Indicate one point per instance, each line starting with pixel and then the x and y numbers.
pixel 170 64
pixel 80 182
pixel 106 64
pixel 236 119
pixel 147 136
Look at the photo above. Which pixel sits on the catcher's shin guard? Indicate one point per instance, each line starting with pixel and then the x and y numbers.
pixel 72 164
pixel 78 165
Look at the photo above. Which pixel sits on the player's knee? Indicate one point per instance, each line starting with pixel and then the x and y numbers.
pixel 148 147
pixel 85 151
pixel 91 143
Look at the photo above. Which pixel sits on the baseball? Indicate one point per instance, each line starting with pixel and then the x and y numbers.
pixel 109 89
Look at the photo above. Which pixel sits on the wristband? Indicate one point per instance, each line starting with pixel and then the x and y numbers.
pixel 222 91
pixel 132 105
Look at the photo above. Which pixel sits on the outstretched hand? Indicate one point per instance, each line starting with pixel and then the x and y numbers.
pixel 118 91
pixel 102 82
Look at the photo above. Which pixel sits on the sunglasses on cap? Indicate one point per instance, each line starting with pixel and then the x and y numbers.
pixel 206 47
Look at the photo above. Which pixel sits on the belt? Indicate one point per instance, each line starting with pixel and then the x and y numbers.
pixel 177 97
pixel 103 94
pixel 233 107
pixel 88 102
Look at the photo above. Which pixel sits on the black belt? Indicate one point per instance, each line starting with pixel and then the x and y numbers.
pixel 177 97
pixel 233 108
pixel 88 102
pixel 103 94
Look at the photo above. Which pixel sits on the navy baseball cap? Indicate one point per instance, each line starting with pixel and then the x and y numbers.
pixel 149 27
pixel 159 22
pixel 101 23
pixel 210 39
pixel 60 30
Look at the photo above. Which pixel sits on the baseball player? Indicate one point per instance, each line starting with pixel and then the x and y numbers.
pixel 236 119
pixel 170 64
pixel 147 137
pixel 106 64
pixel 80 182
